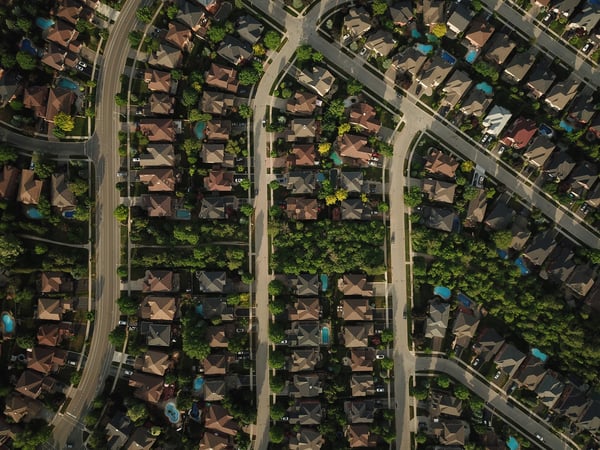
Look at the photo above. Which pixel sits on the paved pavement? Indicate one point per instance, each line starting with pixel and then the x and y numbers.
pixel 61 149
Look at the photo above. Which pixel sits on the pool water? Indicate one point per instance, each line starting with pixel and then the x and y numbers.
pixel 44 23
pixel 199 130
pixel 521 265
pixel 431 37
pixel 464 299
pixel 28 47
pixel 442 291
pixel 33 213
pixel 171 412
pixel 485 88
pixel 320 177
pixel 336 159
pixel 415 33
pixel 448 57
pixel 471 56
pixel 325 335
pixel 198 383
pixel 539 354
pixel 183 214
pixel 324 282
pixel 195 412
pixel 8 322
pixel 425 49
pixel 68 84
pixel 69 214
pixel 502 254
pixel 512 443
pixel 546 130
pixel 565 126
pixel 200 309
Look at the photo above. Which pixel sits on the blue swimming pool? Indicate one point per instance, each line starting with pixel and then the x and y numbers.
pixel 521 265
pixel 200 309
pixel 502 254
pixel 539 354
pixel 512 443
pixel 33 213
pixel 464 299
pixel 431 37
pixel 415 33
pixel 325 336
pixel 425 49
pixel 442 291
pixel 68 84
pixel 336 159
pixel 28 47
pixel 546 130
pixel 471 56
pixel 565 126
pixel 183 214
pixel 199 130
pixel 195 411
pixel 485 88
pixel 448 57
pixel 68 214
pixel 44 23
pixel 320 177
pixel 8 322
pixel 172 412
pixel 198 383
pixel 324 282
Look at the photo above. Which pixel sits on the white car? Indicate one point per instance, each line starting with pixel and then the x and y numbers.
pixel 380 356
pixel 541 438
pixel 497 375
pixel 363 51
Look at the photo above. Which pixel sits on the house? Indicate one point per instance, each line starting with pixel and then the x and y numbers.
pixel 476 103
pixel 440 218
pixel 438 163
pixel 59 100
pixel 356 309
pixel 179 35
pixel 214 389
pixel 304 285
pixel 560 264
pixel 219 180
pixel 217 307
pixel 249 29
pixel 305 412
pixel 305 385
pixel 364 116
pixel 587 19
pixel 303 128
pixel 520 233
pixel 351 285
pixel 531 373
pixel 592 198
pixel 360 436
pixel 158 130
pixel 51 334
pixel 357 335
pixel 539 151
pixel 500 217
pixel 30 384
pixel 158 205
pixel 161 103
pixel 381 43
pixel 211 282
pixel 351 181
pixel 437 320
pixel 355 148
pixel 359 411
pixel 18 407
pixel 306 438
pixel 459 20
pixel 157 81
pixel 590 418
pixel 160 281
pixel 158 155
pixel 433 12
pixel 433 73
pixel 520 133
pixel 214 153
pixel 300 208
pixel 155 362
pixel 303 359
pixel 192 15
pixel 565 7
pixel 49 309
pixel 581 280
pixel 409 62
pixel 157 334
pixel 450 432
pixel 549 389
pixel 8 182
pixel 158 308
pixel 141 439
pixel 61 195
pixel 218 130
pixel 303 155
pixel 476 208
pixel 361 359
pixel 304 309
pixel 218 207
pixel 352 209
pixel 401 13
pixel 540 247
pixel 455 88
pixel 54 282
pixel 488 344
pixel 560 166
pixel 302 104
pixel 319 79
pixel 62 33
pixel 540 79
pixel 301 182
pixel 36 99
pixel 562 93
pixel 70 11
pixel 46 359
pixel 465 326
pixel 519 66
pixel 439 191
pixel 166 57
pixel 496 120
pixel 572 403
pixel 215 364
pixel 158 179
pixel 509 359
pixel 583 107
pixel 214 441
pixel 499 49
pixel 446 405
pixel 582 178
pixel 234 51
pixel 54 57
pixel 362 385
pixel 357 22
pixel 222 77
pixel 218 336
pixel 305 334
pixel 479 32
pixel 219 420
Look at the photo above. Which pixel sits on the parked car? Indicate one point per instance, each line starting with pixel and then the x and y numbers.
pixel 497 375
pixel 541 438
pixel 363 51
pixel 476 362
pixel 380 356
pixel 380 389
pixel 502 149
pixel 587 47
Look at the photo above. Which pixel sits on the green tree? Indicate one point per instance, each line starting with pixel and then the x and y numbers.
pixel 276 287
pixel 354 87
pixel 277 411
pixel 75 378
pixel 216 33
pixel 379 7
pixel 8 154
pixel 467 166
pixel 276 360
pixel 120 100
pixel 387 336
pixel 248 76
pixel 127 305
pixel 276 434
pixel 172 11
pixel 461 392
pixel 387 363
pixel 64 121
pixel 439 30
pixel 276 332
pixel 272 39
pixel 137 412
pixel 245 111
pixel 26 61
pixel 247 210
pixel 36 433
pixel 144 14
pixel 443 381
pixel 117 337
pixel 317 56
pixel 502 239
pixel 413 197
pixel 8 60
pixel 304 53
pixel 25 342
pixel 421 438
pixel 189 98
pixel 24 24
pixel 10 249
pixel 274 185
pixel 276 383
pixel 383 207
pixel 245 184
pixel 277 306
pixel 121 212
pixel 78 186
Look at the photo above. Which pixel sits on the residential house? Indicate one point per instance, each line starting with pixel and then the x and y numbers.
pixel 455 88
pixel 51 334
pixel 572 403
pixel 9 178
pixel 592 198
pixel 59 100
pixel 303 155
pixel 217 307
pixel 581 280
pixel 464 329
pixel 219 180
pixel 30 189
pixel 49 309
pixel 587 19
pixel 62 33
pixel 249 29
pixel 305 412
pixel 213 153
pixel 218 336
pixel 582 178
pixel 192 15
pixel 364 116
pixel 539 151
pixel 500 49
pixel 531 373
pixel 476 208
pixel 157 335
pixel 479 32
pixel 21 408
pixel 212 282
pixel 219 420
pixel 362 385
pixel 303 359
pixel 214 389
pixel 158 155
pixel 361 359
pixel 30 384
pixel 166 57
pixel 302 104
pixel 10 86
pixel 560 166
pixel 155 362
pixel 304 309
pixel 360 436
pixel 381 43
pixel 158 308
pixel 352 209
pixel 590 418
pixel 445 405
pixel 61 195
pixel 549 389
pixel 158 130
pixel 476 103
pixel 305 334
pixel 433 12
pixel 441 219
pixel 141 439
pixel 459 20
pixel 560 264
pixel 179 35
pixel 215 364
pixel 359 411
pixel 302 128
pixel 300 208
pixel 583 107
pixel 51 282
pixel 540 247
pixel 562 93
pixel 565 7
pixel 54 57
pixel 161 103
pixel 36 99
pixel 357 22
pixel 46 359
pixel 234 51
pixel 160 281
pixel 217 130
pixel 301 182
pixel 306 438
pixel 540 79
pixel 355 149
pixel 500 217
pixel 438 163
pixel 304 285
pixel 520 233
pixel 222 77
pixel 351 181
pixel 158 205
pixel 319 79
pixel 305 386
pixel 488 344
pixel 357 335
pixel 218 207
pixel 450 432
pixel 158 81
pixel 158 179
pixel 520 133
pixel 433 74
pixel 355 285
pixel 356 309
pixel 519 66
pixel 70 11
pixel 437 320
pixel 402 13
pixel 214 441
pixel 409 62
pixel 509 359
pixel 496 120
pixel 438 191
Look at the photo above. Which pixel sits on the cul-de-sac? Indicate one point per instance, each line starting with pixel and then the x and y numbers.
pixel 300 224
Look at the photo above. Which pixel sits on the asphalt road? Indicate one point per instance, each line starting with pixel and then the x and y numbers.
pixel 61 149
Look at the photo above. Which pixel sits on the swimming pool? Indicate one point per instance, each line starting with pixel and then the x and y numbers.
pixel 195 411
pixel 431 37
pixel 512 443
pixel 415 33
pixel 485 88
pixel 324 282
pixel 325 336
pixel 33 213
pixel 448 57
pixel 336 159
pixel 200 309
pixel 198 383
pixel 68 84
pixel 539 354
pixel 44 23
pixel 425 49
pixel 183 214
pixel 502 254
pixel 68 214
pixel 565 126
pixel 320 177
pixel 8 323
pixel 521 265
pixel 199 130
pixel 442 291
pixel 28 47
pixel 546 130
pixel 471 56
pixel 464 299
pixel 171 412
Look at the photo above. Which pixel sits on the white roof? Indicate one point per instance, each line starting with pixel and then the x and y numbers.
pixel 496 120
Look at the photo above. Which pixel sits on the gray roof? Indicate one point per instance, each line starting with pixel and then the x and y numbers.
pixel 488 344
pixel 540 247
pixel 212 282
pixel 305 285
pixel 234 50
pixel 166 56
pixel 459 20
pixel 500 216
pixel 249 28
pixel 306 385
pixel 539 151
pixel 519 66
pixel 352 209
pixel 560 264
pixel 581 280
pixel 437 319
pixel 440 218
pixel 214 389
pixel 360 411
pixel 560 166
pixel 455 88
pixel 587 19
pixel 476 208
pixel 401 12
pixel 410 61
pixel 531 373
pixel 541 79
pixel 301 182
pixel 583 107
pixel 465 325
pixel 433 73
pixel 499 48
pixel 566 7
pixel 476 103
pixel 305 333
pixel 357 22
pixel 508 359
pixel 305 412
pixel 351 181
pixel 549 389
pixel 562 93
pixel 158 335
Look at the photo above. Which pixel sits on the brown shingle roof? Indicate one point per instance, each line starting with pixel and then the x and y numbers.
pixel 158 129
pixel 8 181
pixel 302 104
pixel 158 80
pixel 158 308
pixel 222 77
pixel 218 180
pixel 36 99
pixel 298 208
pixel 218 419
pixel 365 116
pixel 158 179
pixel 179 35
pixel 149 388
